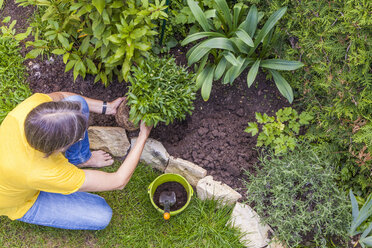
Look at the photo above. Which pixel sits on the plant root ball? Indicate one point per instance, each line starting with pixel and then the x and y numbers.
pixel 122 117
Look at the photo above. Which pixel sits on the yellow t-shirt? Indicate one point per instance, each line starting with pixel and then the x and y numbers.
pixel 24 171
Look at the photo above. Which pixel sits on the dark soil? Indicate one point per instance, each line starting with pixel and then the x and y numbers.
pixel 177 188
pixel 212 137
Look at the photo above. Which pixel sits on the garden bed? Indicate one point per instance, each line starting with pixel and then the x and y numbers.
pixel 212 137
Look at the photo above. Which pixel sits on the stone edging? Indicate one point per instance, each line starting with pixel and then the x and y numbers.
pixel 114 139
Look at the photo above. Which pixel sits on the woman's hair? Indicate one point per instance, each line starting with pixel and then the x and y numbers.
pixel 52 126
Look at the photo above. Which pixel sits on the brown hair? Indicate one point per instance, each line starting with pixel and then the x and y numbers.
pixel 52 126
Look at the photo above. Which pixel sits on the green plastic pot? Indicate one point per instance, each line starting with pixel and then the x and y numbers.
pixel 170 177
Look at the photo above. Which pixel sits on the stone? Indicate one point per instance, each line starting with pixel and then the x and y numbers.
pixel 275 243
pixel 207 188
pixel 192 172
pixel 248 221
pixel 154 154
pixel 113 140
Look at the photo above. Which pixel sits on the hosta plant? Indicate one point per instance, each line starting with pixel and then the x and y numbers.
pixel 100 37
pixel 232 42
pixel 160 91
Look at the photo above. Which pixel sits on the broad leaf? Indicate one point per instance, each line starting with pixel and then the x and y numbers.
pixel 244 36
pixel 58 51
pixel 197 54
pixel 200 35
pixel 280 64
pixel 282 85
pixel 253 73
pixel 270 23
pixel 99 4
pixel 252 128
pixel 207 85
pixel 237 14
pixel 224 8
pixel 231 58
pixel 219 43
pixel 198 14
pixel 220 69
pixel 250 23
pixel 202 77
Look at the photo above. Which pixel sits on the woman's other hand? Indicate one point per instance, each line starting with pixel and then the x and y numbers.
pixel 113 106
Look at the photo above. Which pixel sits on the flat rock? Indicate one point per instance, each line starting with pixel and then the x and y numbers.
pixel 192 172
pixel 154 154
pixel 248 221
pixel 113 140
pixel 207 188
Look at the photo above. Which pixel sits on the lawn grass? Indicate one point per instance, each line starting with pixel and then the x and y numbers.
pixel 135 223
pixel 13 88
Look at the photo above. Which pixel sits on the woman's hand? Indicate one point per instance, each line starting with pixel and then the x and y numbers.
pixel 113 106
pixel 144 130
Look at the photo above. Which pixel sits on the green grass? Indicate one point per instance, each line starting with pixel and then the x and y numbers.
pixel 135 223
pixel 13 88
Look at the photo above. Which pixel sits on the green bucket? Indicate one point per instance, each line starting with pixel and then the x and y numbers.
pixel 170 177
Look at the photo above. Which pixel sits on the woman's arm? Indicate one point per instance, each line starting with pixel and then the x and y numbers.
pixel 95 106
pixel 103 181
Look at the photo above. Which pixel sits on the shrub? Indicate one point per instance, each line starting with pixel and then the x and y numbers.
pixel 160 91
pixel 235 42
pixel 101 37
pixel 13 88
pixel 333 40
pixel 279 133
pixel 296 194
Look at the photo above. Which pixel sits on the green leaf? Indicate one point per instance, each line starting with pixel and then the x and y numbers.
pixel 219 43
pixel 85 45
pixel 282 85
pixel 270 23
pixel 207 85
pixel 1 4
pixel 220 69
pixel 252 128
pixel 65 57
pixel 197 54
pixel 251 21
pixel 6 19
pixel 202 76
pixel 231 58
pixel 58 51
pixel 69 65
pixel 253 72
pixel 236 15
pixel 92 67
pixel 63 41
pixel 280 64
pixel 198 14
pixel 24 35
pixel 99 4
pixel 224 8
pixel 244 36
pixel 33 53
pixel 200 35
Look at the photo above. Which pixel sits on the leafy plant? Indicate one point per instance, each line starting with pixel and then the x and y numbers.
pixel 279 133
pixel 160 91
pixel 333 40
pixel 360 216
pixel 235 42
pixel 297 195
pixel 13 88
pixel 101 37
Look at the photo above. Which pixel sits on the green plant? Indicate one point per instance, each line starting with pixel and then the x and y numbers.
pixel 235 42
pixel 101 37
pixel 13 88
pixel 160 91
pixel 297 195
pixel 359 217
pixel 332 38
pixel 279 133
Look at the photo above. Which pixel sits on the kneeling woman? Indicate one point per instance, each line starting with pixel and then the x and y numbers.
pixel 44 144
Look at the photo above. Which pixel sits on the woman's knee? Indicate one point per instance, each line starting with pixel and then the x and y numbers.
pixel 103 216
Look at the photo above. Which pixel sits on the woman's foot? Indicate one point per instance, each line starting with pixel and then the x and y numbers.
pixel 98 159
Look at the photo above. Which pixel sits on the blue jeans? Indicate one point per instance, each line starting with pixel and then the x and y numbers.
pixel 80 210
